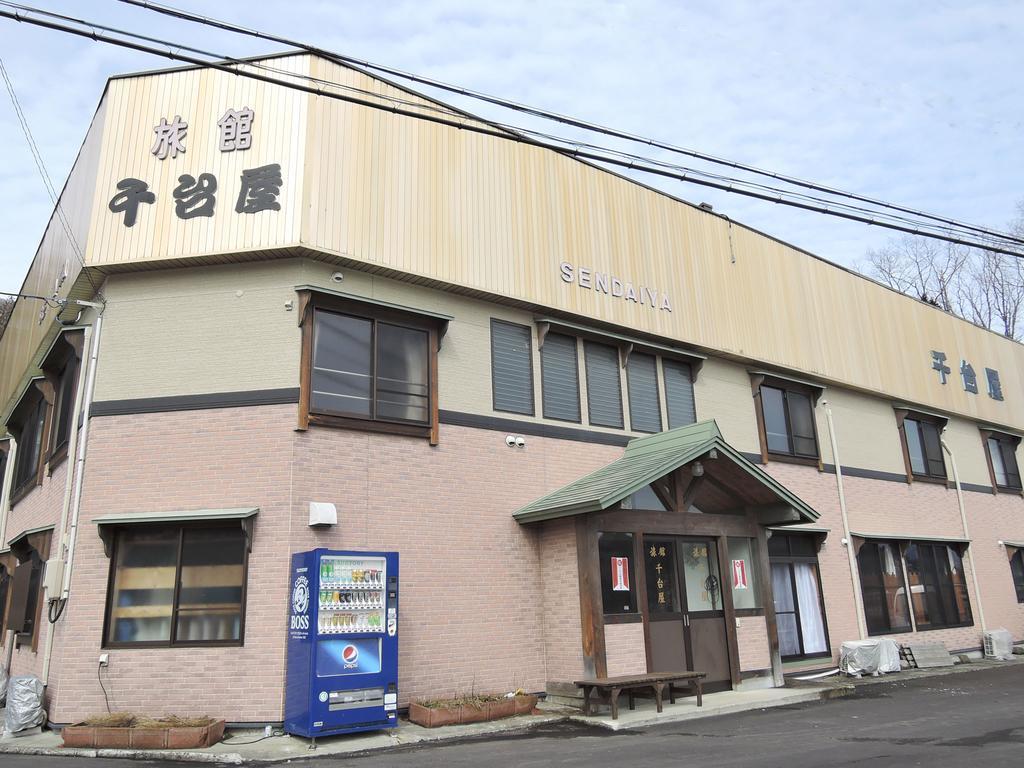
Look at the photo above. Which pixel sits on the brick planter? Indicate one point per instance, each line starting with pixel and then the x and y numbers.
pixel 435 717
pixel 168 737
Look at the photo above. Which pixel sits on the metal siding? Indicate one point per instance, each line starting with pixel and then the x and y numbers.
pixel 679 393
pixel 644 405
pixel 512 367
pixel 560 381
pixel 604 385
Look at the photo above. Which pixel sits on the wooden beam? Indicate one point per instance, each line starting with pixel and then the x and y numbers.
pixel 692 489
pixel 774 514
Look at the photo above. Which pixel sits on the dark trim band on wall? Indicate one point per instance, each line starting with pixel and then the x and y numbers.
pixel 286 396
pixel 537 429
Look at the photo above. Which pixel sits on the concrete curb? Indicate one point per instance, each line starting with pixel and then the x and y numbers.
pixel 228 758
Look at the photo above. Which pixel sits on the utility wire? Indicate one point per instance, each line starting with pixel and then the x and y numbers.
pixel 548 115
pixel 777 196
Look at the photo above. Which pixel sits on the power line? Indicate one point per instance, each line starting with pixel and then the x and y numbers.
pixel 688 175
pixel 548 115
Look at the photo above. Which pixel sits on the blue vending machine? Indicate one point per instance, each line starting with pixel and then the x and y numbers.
pixel 342 643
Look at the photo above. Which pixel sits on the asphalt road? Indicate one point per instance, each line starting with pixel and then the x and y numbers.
pixel 974 718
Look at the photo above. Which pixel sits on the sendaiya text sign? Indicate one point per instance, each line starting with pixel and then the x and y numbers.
pixel 606 283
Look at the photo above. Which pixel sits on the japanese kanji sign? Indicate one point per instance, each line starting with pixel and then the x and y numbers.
pixel 968 376
pixel 620 574
pixel 739 574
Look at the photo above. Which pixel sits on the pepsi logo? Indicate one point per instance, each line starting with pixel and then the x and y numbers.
pixel 350 655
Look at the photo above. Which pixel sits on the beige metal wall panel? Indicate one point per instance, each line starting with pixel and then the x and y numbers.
pixel 201 98
pixel 722 392
pixel 55 256
pixel 964 440
pixel 866 431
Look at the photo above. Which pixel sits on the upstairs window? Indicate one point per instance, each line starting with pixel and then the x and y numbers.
pixel 922 447
pixel 560 378
pixel 511 367
pixel 28 424
pixel 644 400
pixel 604 385
pixel 1002 461
pixel 679 393
pixel 61 367
pixel 785 413
pixel 368 366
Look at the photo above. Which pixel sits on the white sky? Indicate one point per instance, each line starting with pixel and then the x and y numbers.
pixel 909 102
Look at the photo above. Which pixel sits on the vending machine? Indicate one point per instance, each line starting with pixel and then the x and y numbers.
pixel 342 643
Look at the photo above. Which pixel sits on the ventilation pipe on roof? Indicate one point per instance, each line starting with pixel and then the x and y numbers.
pixel 967 534
pixel 847 540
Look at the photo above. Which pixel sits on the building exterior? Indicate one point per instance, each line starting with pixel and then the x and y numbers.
pixel 607 431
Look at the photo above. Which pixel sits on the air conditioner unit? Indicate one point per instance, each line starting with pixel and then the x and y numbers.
pixel 998 644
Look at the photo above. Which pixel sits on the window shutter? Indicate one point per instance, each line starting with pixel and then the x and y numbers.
pixel 604 392
pixel 511 367
pixel 560 380
pixel 644 408
pixel 679 393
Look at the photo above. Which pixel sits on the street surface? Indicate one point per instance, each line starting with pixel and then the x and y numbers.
pixel 971 718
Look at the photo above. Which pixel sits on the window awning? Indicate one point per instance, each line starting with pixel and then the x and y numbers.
pixel 19 544
pixel 441 319
pixel 110 523
pixel 627 343
pixel 912 537
pixel 648 459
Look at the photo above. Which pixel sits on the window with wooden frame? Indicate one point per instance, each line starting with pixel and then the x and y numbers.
pixel 7 566
pixel 29 425
pixel 1001 456
pixel 1017 571
pixel 785 419
pixel 938 585
pixel 368 365
pixel 920 435
pixel 61 368
pixel 30 549
pixel 883 588
pixel 799 601
pixel 618 583
pixel 176 585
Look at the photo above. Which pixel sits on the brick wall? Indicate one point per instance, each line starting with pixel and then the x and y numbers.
pixel 752 642
pixel 563 641
pixel 625 649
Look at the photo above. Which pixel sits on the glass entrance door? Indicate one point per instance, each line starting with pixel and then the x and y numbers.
pixel 686 616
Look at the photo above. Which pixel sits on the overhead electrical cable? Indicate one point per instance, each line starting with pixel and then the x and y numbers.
pixel 546 114
pixel 475 125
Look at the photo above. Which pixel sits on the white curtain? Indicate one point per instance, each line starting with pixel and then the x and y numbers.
pixel 782 590
pixel 811 624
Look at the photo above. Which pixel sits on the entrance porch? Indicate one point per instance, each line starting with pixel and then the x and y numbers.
pixel 671 562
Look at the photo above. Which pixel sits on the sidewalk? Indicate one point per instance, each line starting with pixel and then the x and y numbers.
pixel 251 747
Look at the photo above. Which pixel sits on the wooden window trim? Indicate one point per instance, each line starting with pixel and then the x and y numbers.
pixel 533 394
pixel 65 353
pixel 1002 437
pixel 309 303
pixel 757 380
pixel 902 414
pixel 32 548
pixel 40 389
pixel 898 545
pixel 170 643
pixel 932 545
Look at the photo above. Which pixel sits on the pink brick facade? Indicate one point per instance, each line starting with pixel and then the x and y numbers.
pixel 487 604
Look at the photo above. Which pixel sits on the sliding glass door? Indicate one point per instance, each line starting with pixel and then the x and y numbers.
pixel 796 588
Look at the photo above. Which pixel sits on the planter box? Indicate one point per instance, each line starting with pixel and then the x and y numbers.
pixel 169 737
pixel 435 717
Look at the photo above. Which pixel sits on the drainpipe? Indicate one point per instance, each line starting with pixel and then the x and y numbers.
pixel 854 577
pixel 967 534
pixel 73 486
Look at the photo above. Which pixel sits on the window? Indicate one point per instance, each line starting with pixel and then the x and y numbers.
pixel 618 587
pixel 938 586
pixel 6 570
pixel 679 393
pixel 1002 461
pixel 796 590
pixel 176 585
pixel 744 574
pixel 644 402
pixel 64 405
pixel 512 367
pixel 604 389
pixel 28 424
pixel 922 447
pixel 368 366
pixel 560 378
pixel 30 551
pixel 1017 571
pixel 645 498
pixel 786 419
pixel 883 588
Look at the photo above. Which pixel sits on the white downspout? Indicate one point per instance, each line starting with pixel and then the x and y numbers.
pixel 854 576
pixel 5 485
pixel 967 533
pixel 79 441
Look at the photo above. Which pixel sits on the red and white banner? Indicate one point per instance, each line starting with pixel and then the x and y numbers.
pixel 739 574
pixel 620 574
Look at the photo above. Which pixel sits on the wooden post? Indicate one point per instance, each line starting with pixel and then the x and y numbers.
pixel 725 568
pixel 765 579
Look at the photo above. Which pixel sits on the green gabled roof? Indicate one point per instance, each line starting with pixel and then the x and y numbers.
pixel 646 459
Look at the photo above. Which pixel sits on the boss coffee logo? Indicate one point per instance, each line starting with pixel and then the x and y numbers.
pixel 300 604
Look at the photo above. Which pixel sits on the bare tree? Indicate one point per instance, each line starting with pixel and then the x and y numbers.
pixel 6 308
pixel 984 287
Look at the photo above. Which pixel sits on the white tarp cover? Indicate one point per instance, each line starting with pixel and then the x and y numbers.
pixel 869 657
pixel 24 704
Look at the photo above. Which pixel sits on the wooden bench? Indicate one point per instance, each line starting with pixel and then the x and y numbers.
pixel 609 688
